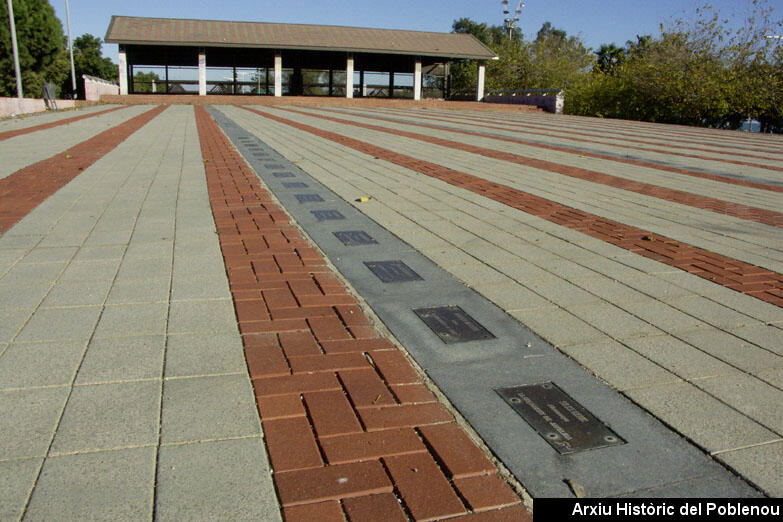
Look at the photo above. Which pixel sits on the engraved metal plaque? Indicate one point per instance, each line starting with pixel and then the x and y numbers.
pixel 308 198
pixel 325 215
pixel 564 423
pixel 283 174
pixel 355 237
pixel 452 324
pixel 273 166
pixel 392 271
pixel 294 184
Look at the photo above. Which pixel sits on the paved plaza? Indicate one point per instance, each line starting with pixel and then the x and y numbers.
pixel 226 311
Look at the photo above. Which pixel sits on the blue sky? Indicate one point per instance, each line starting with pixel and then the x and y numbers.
pixel 596 21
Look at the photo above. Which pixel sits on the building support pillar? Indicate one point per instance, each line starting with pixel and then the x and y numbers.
pixel 349 76
pixel 362 82
pixel 417 80
pixel 391 82
pixel 480 82
pixel 123 59
pixel 278 75
pixel 202 72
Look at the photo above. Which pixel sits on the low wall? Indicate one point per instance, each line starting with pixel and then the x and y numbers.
pixel 551 102
pixel 94 88
pixel 15 106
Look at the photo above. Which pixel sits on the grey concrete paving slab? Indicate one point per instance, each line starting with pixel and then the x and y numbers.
pixel 25 365
pixel 215 315
pixel 749 395
pixel 106 485
pixel 122 359
pixel 109 416
pixel 682 359
pixel 132 320
pixel 215 480
pixel 722 345
pixel 60 324
pixel 761 464
pixel 17 478
pixel 11 321
pixel 208 408
pixel 35 413
pixel 153 289
pixel 204 354
pixel 704 419
pixel 85 292
pixel 186 287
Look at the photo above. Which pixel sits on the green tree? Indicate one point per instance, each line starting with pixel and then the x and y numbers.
pixel 88 59
pixel 609 57
pixel 557 60
pixel 142 82
pixel 42 56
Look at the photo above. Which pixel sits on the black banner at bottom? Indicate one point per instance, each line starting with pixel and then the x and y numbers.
pixel 656 509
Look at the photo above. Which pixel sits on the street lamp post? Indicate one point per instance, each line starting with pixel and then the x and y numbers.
pixel 509 22
pixel 70 48
pixel 15 50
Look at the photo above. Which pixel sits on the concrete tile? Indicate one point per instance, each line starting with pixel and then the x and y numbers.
pixel 204 408
pixel 558 326
pixel 109 416
pixel 612 291
pixel 78 293
pixel 11 320
pixel 107 485
pixel 202 316
pixel 152 290
pixel 104 269
pixel 40 364
pixel 132 320
pixel 60 324
pixel 762 465
pixel 28 295
pixel 711 312
pixel 731 349
pixel 50 255
pixel 19 241
pixel 563 293
pixel 678 357
pixel 28 419
pixel 17 479
pixel 150 249
pixel 756 399
pixel 203 286
pixel 773 377
pixel 663 316
pixel 99 253
pixel 199 265
pixel 511 296
pixel 227 479
pixel 766 336
pixel 619 366
pixel 614 321
pixel 144 268
pixel 31 273
pixel 204 354
pixel 708 422
pixel 122 359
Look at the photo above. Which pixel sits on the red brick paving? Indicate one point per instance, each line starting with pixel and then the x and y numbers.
pixel 767 217
pixel 350 428
pixel 597 155
pixel 27 188
pixel 752 280
pixel 18 132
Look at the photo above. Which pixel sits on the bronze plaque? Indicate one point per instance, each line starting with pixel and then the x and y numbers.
pixel 308 198
pixel 324 215
pixel 392 271
pixel 564 423
pixel 355 237
pixel 452 324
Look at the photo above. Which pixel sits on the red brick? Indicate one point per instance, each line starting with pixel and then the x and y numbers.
pixel 394 367
pixel 357 345
pixel 412 393
pixel 459 456
pixel 305 287
pixel 486 492
pixel 320 512
pixel 291 444
pixel 425 491
pixel 265 362
pixel 352 315
pixel 331 483
pixel 328 329
pixel 384 507
pixel 365 388
pixel 404 415
pixel 280 406
pixel 329 362
pixel 299 343
pixel 331 413
pixel 279 299
pixel 303 313
pixel 280 325
pixel 251 310
pixel 295 384
pixel 371 445
pixel 326 300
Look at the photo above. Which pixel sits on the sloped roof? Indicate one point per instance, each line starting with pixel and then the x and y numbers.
pixel 218 33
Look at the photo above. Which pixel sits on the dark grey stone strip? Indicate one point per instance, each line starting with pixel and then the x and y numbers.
pixel 653 458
